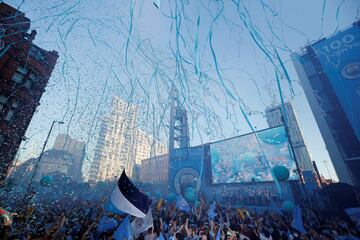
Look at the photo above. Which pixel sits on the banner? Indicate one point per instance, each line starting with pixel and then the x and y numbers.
pixel 339 56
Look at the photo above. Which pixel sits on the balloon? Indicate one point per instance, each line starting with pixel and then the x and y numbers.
pixel 171 197
pixel 281 173
pixel 158 194
pixel 288 206
pixel 190 196
pixel 46 181
pixel 189 189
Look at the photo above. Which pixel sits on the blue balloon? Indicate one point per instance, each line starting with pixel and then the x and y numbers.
pixel 46 181
pixel 288 206
pixel 171 197
pixel 190 196
pixel 189 189
pixel 281 173
pixel 158 194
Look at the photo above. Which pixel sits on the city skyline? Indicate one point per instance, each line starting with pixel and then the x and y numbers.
pixel 83 117
pixel 117 114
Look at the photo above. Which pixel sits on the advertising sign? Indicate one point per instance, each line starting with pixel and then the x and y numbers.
pixel 339 56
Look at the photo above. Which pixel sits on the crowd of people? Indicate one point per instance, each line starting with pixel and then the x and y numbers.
pixel 79 218
pixel 253 196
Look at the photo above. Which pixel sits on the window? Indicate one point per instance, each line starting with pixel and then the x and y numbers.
pixel 36 53
pixel 22 70
pixel 15 104
pixel 19 74
pixel 18 77
pixel 28 84
pixel 9 115
pixel 33 77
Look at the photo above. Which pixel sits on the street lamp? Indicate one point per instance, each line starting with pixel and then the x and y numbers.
pixel 42 152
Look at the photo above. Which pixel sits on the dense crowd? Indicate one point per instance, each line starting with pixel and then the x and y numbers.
pixel 77 218
pixel 263 197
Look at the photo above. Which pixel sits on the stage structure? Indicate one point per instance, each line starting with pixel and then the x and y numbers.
pixel 222 169
pixel 180 173
pixel 179 128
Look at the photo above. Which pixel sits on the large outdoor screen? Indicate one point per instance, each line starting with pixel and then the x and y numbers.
pixel 243 159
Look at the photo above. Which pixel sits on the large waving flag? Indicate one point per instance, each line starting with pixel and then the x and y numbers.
pixel 124 231
pixel 182 204
pixel 128 199
pixel 297 222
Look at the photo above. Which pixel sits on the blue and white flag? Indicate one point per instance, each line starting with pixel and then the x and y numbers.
pixel 123 231
pixel 106 224
pixel 297 222
pixel 140 225
pixel 128 199
pixel 182 204
pixel 211 212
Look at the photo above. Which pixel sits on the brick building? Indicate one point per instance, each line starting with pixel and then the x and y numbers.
pixel 25 70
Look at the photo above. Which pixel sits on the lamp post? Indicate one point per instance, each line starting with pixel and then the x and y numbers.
pixel 42 152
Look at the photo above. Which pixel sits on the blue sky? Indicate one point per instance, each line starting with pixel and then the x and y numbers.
pixel 109 48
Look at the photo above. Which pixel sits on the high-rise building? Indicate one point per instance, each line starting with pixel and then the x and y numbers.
pixel 143 145
pixel 115 149
pixel 329 71
pixel 25 70
pixel 275 117
pixel 77 149
pixel 146 147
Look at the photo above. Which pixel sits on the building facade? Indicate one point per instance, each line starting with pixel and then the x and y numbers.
pixel 154 169
pixel 275 117
pixel 54 162
pixel 25 70
pixel 115 149
pixel 329 71
pixel 146 147
pixel 77 149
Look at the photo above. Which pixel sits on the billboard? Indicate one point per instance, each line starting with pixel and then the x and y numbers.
pixel 339 57
pixel 241 159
